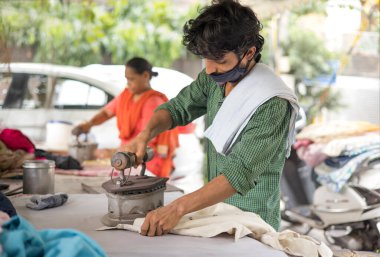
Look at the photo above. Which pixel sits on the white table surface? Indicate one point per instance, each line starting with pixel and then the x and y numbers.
pixel 83 212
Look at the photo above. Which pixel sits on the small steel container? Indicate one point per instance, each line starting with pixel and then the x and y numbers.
pixel 38 177
pixel 83 151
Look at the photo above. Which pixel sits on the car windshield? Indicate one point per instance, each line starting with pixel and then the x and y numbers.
pixel 168 81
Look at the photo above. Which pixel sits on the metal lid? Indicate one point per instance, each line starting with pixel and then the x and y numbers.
pixel 83 145
pixel 61 122
pixel 136 185
pixel 38 164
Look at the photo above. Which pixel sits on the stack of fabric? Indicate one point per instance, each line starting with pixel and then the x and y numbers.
pixel 15 148
pixel 336 150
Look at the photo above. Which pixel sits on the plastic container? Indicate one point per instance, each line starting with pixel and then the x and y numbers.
pixel 38 177
pixel 58 134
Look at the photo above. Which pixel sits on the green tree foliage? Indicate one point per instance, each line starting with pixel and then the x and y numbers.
pixel 307 53
pixel 83 32
pixel 309 58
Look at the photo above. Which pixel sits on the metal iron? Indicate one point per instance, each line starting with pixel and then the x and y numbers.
pixel 131 197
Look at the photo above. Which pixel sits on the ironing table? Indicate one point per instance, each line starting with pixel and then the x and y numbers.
pixel 83 212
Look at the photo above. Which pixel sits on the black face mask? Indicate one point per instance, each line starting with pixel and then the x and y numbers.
pixel 233 75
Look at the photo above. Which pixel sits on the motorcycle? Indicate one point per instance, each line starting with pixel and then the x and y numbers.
pixel 349 218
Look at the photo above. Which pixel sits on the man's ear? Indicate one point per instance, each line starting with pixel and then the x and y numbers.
pixel 251 52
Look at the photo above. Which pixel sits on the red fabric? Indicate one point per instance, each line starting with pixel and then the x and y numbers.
pixel 129 112
pixel 162 163
pixel 302 143
pixel 147 112
pixel 188 129
pixel 111 106
pixel 132 116
pixel 15 140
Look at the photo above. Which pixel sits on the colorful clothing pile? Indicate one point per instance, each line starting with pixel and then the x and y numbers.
pixel 15 140
pixel 336 150
pixel 15 148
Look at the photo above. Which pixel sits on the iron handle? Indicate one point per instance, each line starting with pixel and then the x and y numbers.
pixel 125 160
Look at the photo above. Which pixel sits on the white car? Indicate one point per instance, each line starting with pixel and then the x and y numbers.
pixel 33 94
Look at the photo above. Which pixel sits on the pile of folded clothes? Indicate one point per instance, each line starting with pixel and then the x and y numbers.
pixel 16 147
pixel 337 149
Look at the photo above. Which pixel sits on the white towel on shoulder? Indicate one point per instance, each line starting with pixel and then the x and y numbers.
pixel 260 85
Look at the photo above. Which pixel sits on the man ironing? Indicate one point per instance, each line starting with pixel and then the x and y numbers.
pixel 250 116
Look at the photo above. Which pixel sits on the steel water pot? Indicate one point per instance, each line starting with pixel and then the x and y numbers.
pixel 38 177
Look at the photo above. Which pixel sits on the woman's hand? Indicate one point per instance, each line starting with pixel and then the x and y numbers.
pixel 82 128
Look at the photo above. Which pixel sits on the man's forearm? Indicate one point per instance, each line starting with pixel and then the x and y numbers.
pixel 214 192
pixel 160 122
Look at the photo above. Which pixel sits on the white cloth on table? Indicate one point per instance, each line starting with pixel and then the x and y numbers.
pixel 257 87
pixel 222 217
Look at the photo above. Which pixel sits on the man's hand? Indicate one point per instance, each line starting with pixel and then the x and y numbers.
pixel 137 146
pixel 160 122
pixel 161 220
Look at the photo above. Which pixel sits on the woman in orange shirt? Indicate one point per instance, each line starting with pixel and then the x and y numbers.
pixel 133 108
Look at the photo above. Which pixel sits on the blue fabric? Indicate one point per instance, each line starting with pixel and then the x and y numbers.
pixel 335 179
pixel 338 162
pixel 19 238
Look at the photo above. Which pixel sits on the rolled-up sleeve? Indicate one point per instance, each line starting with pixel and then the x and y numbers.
pixel 190 103
pixel 262 142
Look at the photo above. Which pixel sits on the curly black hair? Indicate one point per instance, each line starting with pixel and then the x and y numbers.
pixel 221 27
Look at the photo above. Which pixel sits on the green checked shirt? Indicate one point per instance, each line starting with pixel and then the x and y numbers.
pixel 254 165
